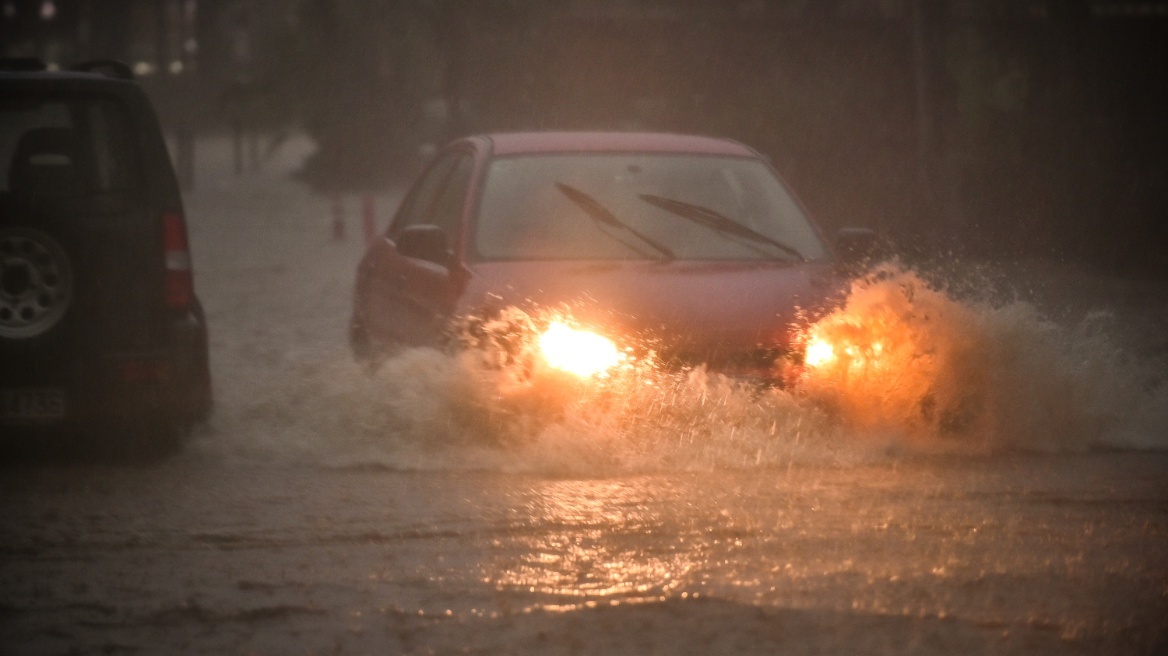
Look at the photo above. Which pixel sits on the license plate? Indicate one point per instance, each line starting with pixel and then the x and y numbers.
pixel 32 404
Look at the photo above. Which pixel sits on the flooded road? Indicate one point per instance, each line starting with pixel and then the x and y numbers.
pixel 1050 554
pixel 424 509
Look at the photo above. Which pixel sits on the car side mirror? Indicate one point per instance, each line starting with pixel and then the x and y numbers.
pixel 859 246
pixel 425 242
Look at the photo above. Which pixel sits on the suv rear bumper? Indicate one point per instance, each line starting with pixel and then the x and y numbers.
pixel 170 384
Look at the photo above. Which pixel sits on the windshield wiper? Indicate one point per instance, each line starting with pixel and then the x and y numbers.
pixel 601 214
pixel 716 221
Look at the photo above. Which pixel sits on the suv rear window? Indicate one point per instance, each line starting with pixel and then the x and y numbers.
pixel 61 148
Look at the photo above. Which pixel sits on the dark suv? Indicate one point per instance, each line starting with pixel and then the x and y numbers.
pixel 101 333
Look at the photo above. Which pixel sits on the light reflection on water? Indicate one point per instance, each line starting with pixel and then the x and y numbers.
pixel 1063 550
pixel 981 542
pixel 760 538
pixel 601 542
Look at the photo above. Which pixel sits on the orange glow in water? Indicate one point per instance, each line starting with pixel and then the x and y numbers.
pixel 818 353
pixel 581 352
pixel 825 349
pixel 901 357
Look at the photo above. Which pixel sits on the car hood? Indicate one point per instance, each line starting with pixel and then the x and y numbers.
pixel 701 307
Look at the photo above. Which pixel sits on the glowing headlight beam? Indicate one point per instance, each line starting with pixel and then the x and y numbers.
pixel 818 353
pixel 821 352
pixel 581 352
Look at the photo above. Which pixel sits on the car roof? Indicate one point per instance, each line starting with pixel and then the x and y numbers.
pixel 66 82
pixel 515 143
pixel 50 75
pixel 32 74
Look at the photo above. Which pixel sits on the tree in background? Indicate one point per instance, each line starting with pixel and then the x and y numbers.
pixel 372 81
pixel 999 127
pixel 356 75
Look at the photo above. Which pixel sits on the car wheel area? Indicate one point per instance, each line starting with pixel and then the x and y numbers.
pixel 36 282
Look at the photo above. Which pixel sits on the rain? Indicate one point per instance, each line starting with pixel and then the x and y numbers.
pixel 968 452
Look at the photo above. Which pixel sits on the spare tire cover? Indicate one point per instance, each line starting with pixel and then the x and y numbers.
pixel 36 282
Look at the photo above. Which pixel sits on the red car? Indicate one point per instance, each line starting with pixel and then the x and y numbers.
pixel 690 244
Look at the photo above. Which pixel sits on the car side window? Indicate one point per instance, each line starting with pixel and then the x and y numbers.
pixel 416 206
pixel 437 197
pixel 448 206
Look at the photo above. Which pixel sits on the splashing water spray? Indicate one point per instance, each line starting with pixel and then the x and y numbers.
pixel 900 366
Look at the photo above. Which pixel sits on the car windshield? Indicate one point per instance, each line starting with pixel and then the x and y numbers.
pixel 639 206
pixel 64 148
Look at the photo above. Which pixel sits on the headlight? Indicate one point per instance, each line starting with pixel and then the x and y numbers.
pixel 581 352
pixel 819 352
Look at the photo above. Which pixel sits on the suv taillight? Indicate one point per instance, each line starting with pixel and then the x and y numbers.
pixel 180 283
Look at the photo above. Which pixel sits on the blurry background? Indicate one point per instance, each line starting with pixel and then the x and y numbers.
pixel 994 128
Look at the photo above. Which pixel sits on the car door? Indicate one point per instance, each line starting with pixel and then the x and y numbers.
pixel 408 299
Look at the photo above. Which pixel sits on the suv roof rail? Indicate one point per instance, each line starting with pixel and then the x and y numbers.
pixel 22 64
pixel 108 67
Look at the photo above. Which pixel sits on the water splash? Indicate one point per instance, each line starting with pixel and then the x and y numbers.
pixel 913 363
pixel 914 370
